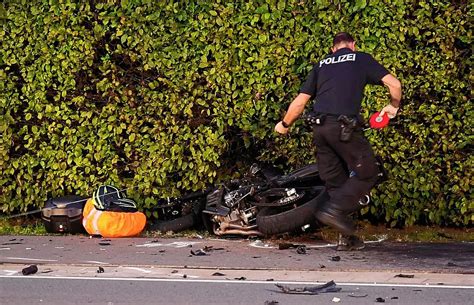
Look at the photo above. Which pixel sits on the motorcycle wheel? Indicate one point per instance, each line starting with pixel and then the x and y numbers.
pixel 174 225
pixel 275 220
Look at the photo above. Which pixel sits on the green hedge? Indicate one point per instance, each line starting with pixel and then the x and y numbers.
pixel 163 97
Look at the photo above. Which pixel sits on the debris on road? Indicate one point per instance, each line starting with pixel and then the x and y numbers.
pixel 328 287
pixel 30 270
pixel 199 252
pixel 353 295
pixel 242 278
pixel 100 270
pixel 380 300
pixel 211 248
pixel 47 271
pixel 104 244
pixel 284 246
pixel 271 303
pixel 218 274
pixel 336 258
pixel 301 249
pixel 408 276
pixel 336 300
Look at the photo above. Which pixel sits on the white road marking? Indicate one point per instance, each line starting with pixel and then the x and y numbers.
pixel 32 259
pixel 5 248
pixel 36 277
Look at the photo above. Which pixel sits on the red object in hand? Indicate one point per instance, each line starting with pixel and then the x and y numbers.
pixel 377 121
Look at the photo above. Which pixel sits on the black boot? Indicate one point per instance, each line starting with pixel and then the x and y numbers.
pixel 336 218
pixel 349 243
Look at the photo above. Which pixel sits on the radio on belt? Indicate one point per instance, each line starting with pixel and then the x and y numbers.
pixel 379 122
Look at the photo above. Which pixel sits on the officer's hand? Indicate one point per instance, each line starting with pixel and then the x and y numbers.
pixel 280 128
pixel 390 110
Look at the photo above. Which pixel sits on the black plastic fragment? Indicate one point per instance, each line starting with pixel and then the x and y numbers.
pixel 30 270
pixel 336 258
pixel 284 246
pixel 301 249
pixel 104 244
pixel 408 276
pixel 394 298
pixel 380 300
pixel 218 274
pixel 271 303
pixel 100 270
pixel 242 278
pixel 198 252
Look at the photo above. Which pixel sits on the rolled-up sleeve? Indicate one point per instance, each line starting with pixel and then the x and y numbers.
pixel 310 85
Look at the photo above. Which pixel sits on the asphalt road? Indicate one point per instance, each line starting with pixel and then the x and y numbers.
pixel 43 290
pixel 82 270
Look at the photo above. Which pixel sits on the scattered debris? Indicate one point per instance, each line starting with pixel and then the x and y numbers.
pixel 408 276
pixel 284 246
pixel 174 271
pixel 269 280
pixel 12 243
pixel 47 271
pixel 328 287
pixel 336 300
pixel 255 256
pixel 336 258
pixel 199 252
pixel 104 244
pixel 451 264
pixel 301 249
pixel 394 298
pixel 353 295
pixel 162 251
pixel 322 266
pixel 271 303
pixel 30 270
pixel 211 248
pixel 218 274
pixel 184 276
pixel 380 300
pixel 242 278
pixel 100 270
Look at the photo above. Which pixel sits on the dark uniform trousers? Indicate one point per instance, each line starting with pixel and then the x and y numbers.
pixel 336 159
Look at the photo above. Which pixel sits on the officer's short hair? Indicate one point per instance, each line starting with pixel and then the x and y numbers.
pixel 342 37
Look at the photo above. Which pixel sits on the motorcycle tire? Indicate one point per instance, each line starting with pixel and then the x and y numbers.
pixel 175 225
pixel 272 221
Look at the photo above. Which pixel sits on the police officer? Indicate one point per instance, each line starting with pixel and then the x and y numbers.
pixel 336 83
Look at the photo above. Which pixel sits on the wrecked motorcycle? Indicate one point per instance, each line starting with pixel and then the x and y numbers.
pixel 178 214
pixel 265 203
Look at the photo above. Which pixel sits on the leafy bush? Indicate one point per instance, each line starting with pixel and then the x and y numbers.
pixel 165 97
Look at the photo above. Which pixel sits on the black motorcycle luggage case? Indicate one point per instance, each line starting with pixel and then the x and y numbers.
pixel 64 214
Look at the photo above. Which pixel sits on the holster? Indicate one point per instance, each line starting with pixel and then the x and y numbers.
pixel 347 128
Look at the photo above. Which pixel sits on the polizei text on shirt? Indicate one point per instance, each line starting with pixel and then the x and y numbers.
pixel 337 60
